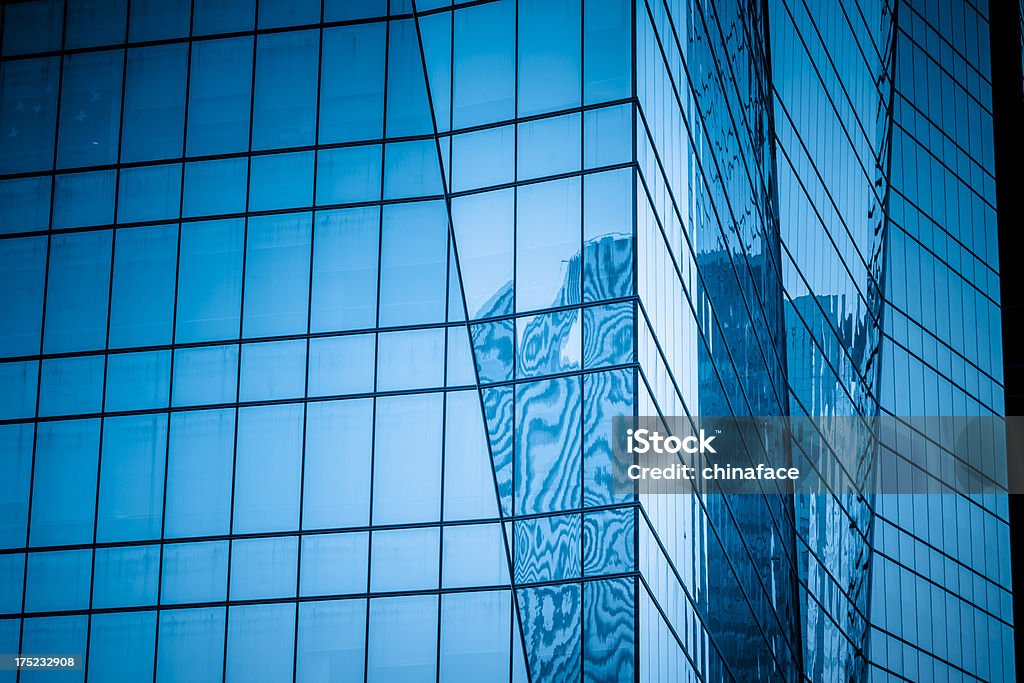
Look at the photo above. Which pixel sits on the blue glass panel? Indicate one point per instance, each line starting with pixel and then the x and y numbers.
pixel 284 108
pixel 25 204
pixel 608 542
pixel 215 187
pixel 121 646
pixel 264 568
pixel 403 639
pixel 149 193
pixel 341 365
pixel 273 370
pixel 484 66
pixel 548 244
pixel 281 181
pixel 493 349
pixel 261 639
pixel 220 91
pixel 407 106
pixel 338 452
pixel 547 467
pixel 338 10
pixel 345 269
pixel 191 648
pixel 126 577
pixel 199 472
pixel 468 479
pixel 466 649
pixel 137 381
pixel 413 359
pixel 277 13
pixel 499 412
pixel 607 394
pixel 22 269
pixel 15 473
pixel 90 109
pixel 607 231
pixel 81 199
pixel 549 146
pixel 159 19
pixel 607 54
pixel 608 609
pixel 154 103
pixel 405 559
pixel 205 375
pixel 277 274
pixel 334 564
pixel 194 572
pixel 268 468
pixel 143 292
pixel 483 158
pixel 83 373
pixel 332 637
pixel 223 16
pixel 352 85
pixel 12 577
pixel 414 263
pixel 474 555
pixel 64 484
pixel 94 22
pixel 348 174
pixel 608 334
pixel 411 169
pixel 549 343
pixel 32 27
pixel 551 627
pixel 547 549
pixel 28 90
pixel 18 382
pixel 10 635
pixel 407 480
pixel 132 478
pixel 58 580
pixel 57 634
pixel 210 280
pixel 549 55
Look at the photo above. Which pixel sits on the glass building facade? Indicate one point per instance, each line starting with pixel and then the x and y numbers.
pixel 314 315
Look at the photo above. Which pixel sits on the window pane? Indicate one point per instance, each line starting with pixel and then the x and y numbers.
pixel 268 468
pixel 405 559
pixel 154 103
pixel 338 449
pixel 220 85
pixel 159 19
pixel 411 170
pixel 403 639
pixel 606 62
pixel 90 109
pixel 143 291
pixel 82 374
pixel 82 199
pixel 223 16
pixel 58 634
pixel 273 370
pixel 12 577
pixel 132 478
pixel 548 223
pixel 281 181
pixel 284 111
pixel 474 555
pixel 468 477
pixel 407 481
pixel 277 13
pixel 334 564
pixel 58 580
pixel 549 55
pixel 76 293
pixel 260 643
pixel 121 646
pixel 137 381
pixel 95 22
pixel 484 228
pixel 22 268
pixel 215 187
pixel 191 646
pixel 277 275
pixel 414 263
pixel 467 649
pixel 348 174
pixel 408 109
pixel 194 572
pixel 205 375
pixel 32 27
pixel 352 91
pixel 25 204
pixel 345 269
pixel 484 68
pixel 28 105
pixel 15 469
pixel 64 485
pixel 263 568
pixel 547 445
pixel 341 365
pixel 331 641
pixel 199 473
pixel 126 577
pixel 413 359
pixel 210 287
pixel 549 146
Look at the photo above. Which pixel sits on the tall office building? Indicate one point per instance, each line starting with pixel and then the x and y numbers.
pixel 315 314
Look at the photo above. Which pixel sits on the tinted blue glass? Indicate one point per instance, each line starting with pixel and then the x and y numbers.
pixel 18 382
pixel 70 386
pixel 549 146
pixel 223 16
pixel 94 22
pixel 548 238
pixel 76 293
pixel 410 360
pixel 12 576
pixel 406 480
pixel 606 394
pixel 126 577
pixel 348 174
pixel 337 480
pixel 138 381
pixel 345 269
pixel 32 27
pixel 154 103
pixel 268 468
pixel 121 646
pixel 58 580
pixel 191 648
pixel 414 263
pixel 220 88
pixel 550 622
pixel 468 479
pixel 334 564
pixel 408 109
pixel 25 204
pixel 467 649
pixel 277 275
pixel 214 187
pixel 149 193
pixel 132 478
pixel 194 572
pixel 402 639
pixel 22 269
pixel 281 181
pixel 607 220
pixel 547 549
pixel 58 634
pixel 606 59
pixel 204 375
pixel 341 365
pixel 607 136
pixel 159 19
pixel 484 66
pixel 275 13
pixel 284 107
pixel 82 199
pixel 15 469
pixel 336 10
pixel 405 559
pixel 210 280
pixel 483 158
pixel 549 55
pixel 352 83
pixel 28 92
pixel 273 370
pixel 547 472
pixel 332 637
pixel 260 643
pixel 90 109
pixel 411 169
pixel 199 473
pixel 608 629
pixel 263 568
pixel 64 483
pixel 142 300
pixel 474 555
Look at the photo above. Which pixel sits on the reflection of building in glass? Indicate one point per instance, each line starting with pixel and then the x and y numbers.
pixel 314 315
